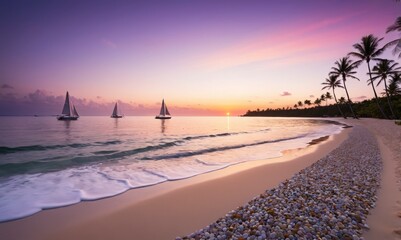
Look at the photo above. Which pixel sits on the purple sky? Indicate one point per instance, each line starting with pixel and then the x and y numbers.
pixel 203 57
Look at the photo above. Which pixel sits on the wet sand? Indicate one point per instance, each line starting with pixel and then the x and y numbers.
pixel 170 209
pixel 179 208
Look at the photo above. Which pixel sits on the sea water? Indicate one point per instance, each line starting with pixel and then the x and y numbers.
pixel 45 163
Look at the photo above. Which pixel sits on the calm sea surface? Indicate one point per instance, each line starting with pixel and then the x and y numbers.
pixel 45 163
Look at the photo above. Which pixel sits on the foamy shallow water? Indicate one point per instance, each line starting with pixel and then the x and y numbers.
pixel 45 163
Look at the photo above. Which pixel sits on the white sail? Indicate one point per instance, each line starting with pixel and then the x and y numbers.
pixel 163 109
pixel 167 112
pixel 67 106
pixel 115 111
pixel 69 111
pixel 164 113
pixel 75 113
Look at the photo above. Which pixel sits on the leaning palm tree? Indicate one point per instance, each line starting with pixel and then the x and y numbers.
pixel 396 26
pixel 345 68
pixel 331 83
pixel 381 72
pixel 368 49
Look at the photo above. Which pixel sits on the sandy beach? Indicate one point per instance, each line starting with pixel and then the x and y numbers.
pixel 179 208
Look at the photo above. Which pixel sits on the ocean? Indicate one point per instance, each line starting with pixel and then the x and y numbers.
pixel 45 163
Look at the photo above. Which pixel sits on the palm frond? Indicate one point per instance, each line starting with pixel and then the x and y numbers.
pixel 396 26
pixel 353 77
pixel 357 55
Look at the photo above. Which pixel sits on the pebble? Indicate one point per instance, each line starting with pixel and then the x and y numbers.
pixel 328 200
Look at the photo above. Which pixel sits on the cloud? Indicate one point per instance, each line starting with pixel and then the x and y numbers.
pixel 360 98
pixel 6 86
pixel 109 43
pixel 285 93
pixel 311 96
pixel 299 42
pixel 42 102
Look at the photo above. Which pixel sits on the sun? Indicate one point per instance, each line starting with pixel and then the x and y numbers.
pixel 228 114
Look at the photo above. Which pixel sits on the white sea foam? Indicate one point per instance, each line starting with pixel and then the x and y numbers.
pixel 26 194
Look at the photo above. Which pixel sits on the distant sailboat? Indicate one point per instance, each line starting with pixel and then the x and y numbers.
pixel 69 110
pixel 116 113
pixel 164 113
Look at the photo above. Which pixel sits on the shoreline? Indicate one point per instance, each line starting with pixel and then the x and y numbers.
pixel 328 200
pixel 191 203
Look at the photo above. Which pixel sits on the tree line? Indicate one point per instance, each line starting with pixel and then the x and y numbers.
pixel 385 72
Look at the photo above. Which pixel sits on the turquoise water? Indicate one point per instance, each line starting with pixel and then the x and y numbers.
pixel 45 163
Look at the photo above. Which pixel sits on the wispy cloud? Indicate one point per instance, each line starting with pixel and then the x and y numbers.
pixel 294 43
pixel 6 86
pixel 360 98
pixel 43 102
pixel 285 93
pixel 109 43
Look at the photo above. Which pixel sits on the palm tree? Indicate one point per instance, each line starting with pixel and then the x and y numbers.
pixel 396 26
pixel 341 100
pixel 296 106
pixel 307 102
pixel 345 68
pixel 393 88
pixel 317 102
pixel 368 49
pixel 331 83
pixel 323 98
pixel 300 103
pixel 328 96
pixel 381 72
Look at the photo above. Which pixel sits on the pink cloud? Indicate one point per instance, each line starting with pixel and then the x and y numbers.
pixel 108 43
pixel 43 102
pixel 360 98
pixel 300 42
pixel 6 86
pixel 285 93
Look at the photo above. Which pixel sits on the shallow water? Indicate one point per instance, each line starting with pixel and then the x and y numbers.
pixel 45 163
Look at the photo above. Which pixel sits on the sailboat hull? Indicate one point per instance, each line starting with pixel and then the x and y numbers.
pixel 163 117
pixel 67 118
pixel 116 116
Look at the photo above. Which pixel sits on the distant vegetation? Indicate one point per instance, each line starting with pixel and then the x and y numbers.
pixel 385 73
pixel 367 108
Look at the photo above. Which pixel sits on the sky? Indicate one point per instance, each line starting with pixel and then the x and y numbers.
pixel 202 57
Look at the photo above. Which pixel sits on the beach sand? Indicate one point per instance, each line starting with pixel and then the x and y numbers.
pixel 385 219
pixel 179 208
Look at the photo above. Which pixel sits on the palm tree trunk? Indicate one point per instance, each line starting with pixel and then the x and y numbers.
pixel 374 91
pixel 389 100
pixel 338 106
pixel 349 100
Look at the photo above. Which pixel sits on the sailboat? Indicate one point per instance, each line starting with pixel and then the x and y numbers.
pixel 69 110
pixel 116 113
pixel 164 113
